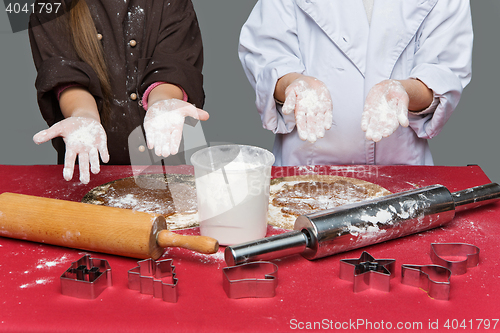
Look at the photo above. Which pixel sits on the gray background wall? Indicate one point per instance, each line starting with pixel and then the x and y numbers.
pixel 470 137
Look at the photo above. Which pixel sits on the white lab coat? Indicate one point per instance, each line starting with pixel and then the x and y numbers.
pixel 430 40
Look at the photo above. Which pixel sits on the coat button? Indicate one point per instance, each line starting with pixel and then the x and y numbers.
pixel 142 149
pixel 133 96
pixel 99 36
pixel 132 43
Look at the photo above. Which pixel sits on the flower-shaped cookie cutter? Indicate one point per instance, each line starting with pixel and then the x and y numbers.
pixel 451 251
pixel 254 279
pixel 434 279
pixel 155 278
pixel 86 278
pixel 367 272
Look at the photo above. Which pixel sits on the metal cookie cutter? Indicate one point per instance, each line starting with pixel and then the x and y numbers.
pixel 434 279
pixel 368 272
pixel 149 278
pixel 255 279
pixel 86 278
pixel 457 267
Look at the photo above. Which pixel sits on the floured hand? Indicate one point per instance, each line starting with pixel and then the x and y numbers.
pixel 386 107
pixel 310 99
pixel 84 137
pixel 164 122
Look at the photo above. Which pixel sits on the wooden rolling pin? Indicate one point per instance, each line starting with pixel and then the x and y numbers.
pixel 90 227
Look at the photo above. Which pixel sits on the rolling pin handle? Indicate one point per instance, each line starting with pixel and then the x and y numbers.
pixel 277 246
pixel 476 196
pixel 202 244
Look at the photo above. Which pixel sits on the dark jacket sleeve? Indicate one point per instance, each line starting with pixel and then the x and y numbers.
pixel 57 63
pixel 174 51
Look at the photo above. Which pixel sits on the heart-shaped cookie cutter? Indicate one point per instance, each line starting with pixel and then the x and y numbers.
pixel 434 279
pixel 457 267
pixel 255 279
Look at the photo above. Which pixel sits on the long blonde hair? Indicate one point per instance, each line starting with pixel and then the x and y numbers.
pixel 87 46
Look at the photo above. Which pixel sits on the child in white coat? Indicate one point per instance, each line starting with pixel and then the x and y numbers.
pixel 356 82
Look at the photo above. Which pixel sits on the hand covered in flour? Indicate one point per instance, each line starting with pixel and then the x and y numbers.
pixel 84 137
pixel 386 107
pixel 310 99
pixel 164 122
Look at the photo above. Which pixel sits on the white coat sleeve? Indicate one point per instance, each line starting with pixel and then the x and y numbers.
pixel 268 50
pixel 443 61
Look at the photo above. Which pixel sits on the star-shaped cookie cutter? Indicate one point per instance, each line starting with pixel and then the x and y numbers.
pixel 155 278
pixel 457 267
pixel 368 272
pixel 434 279
pixel 254 279
pixel 86 278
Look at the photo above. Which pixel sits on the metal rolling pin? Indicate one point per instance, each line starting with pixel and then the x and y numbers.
pixel 365 223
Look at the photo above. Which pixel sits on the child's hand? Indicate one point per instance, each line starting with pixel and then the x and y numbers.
pixel 164 122
pixel 386 107
pixel 84 137
pixel 310 100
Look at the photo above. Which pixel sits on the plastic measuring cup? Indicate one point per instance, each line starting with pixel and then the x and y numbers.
pixel 232 187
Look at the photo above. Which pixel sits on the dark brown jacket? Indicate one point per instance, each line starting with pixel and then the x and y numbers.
pixel 168 48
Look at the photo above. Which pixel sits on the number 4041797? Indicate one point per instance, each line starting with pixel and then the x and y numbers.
pixel 480 324
pixel 40 7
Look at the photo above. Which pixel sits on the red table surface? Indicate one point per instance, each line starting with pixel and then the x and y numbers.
pixel 309 293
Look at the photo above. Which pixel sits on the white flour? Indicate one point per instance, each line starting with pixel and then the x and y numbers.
pixel 37 282
pixel 209 258
pixel 310 100
pixel 410 209
pixel 369 231
pixel 167 119
pixel 186 219
pixel 86 134
pixel 127 200
pixel 182 221
pixel 46 263
pixel 232 205
pixel 382 217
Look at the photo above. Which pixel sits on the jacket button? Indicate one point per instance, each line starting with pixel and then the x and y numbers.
pixel 132 43
pixel 99 36
pixel 133 96
pixel 142 149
